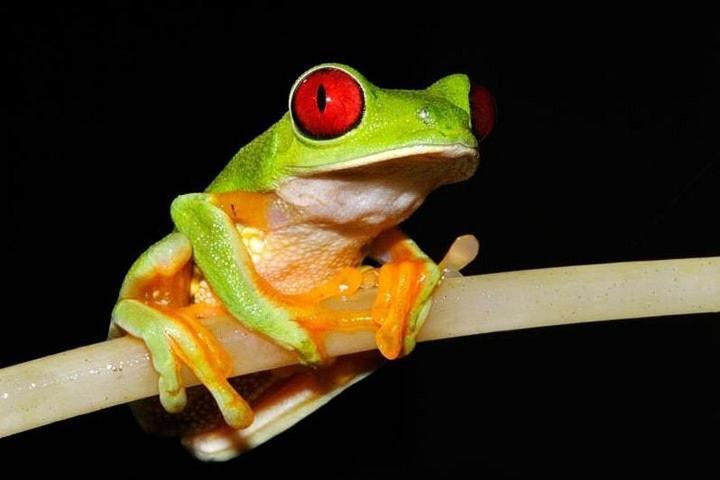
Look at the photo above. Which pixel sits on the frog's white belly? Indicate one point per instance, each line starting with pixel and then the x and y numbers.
pixel 298 258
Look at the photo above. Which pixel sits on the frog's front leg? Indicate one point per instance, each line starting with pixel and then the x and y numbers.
pixel 153 306
pixel 220 254
pixel 406 282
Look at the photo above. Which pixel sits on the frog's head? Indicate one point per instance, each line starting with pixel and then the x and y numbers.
pixel 342 121
pixel 338 120
pixel 340 127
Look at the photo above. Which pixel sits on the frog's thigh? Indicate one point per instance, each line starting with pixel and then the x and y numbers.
pixel 161 270
pixel 288 401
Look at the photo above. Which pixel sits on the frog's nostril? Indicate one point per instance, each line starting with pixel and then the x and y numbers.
pixel 424 115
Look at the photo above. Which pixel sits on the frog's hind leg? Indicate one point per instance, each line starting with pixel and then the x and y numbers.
pixel 172 337
pixel 279 398
pixel 154 306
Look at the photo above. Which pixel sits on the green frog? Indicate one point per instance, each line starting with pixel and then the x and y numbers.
pixel 285 226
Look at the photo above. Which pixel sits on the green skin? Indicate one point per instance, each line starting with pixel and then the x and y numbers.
pixel 395 123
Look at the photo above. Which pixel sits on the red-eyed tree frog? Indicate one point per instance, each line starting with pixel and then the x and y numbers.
pixel 285 225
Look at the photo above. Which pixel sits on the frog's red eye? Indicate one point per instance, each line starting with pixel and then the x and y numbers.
pixel 482 111
pixel 327 103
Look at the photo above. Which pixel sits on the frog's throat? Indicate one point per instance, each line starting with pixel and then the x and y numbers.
pixel 457 151
pixel 377 191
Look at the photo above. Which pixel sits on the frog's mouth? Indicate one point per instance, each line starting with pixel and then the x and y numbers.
pixel 377 190
pixel 451 163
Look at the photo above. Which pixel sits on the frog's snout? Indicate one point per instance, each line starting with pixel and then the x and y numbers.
pixel 474 100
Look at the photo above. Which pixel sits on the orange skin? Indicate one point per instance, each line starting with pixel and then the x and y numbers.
pixel 399 283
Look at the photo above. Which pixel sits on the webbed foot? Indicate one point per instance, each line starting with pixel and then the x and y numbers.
pixel 175 337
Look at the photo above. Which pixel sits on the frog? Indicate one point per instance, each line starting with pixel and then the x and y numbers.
pixel 295 218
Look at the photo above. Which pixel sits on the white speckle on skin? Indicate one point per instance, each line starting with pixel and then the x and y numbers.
pixel 255 245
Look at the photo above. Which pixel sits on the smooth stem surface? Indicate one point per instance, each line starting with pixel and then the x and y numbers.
pixel 109 373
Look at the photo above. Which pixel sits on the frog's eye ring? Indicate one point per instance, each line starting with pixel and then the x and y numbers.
pixel 327 103
pixel 482 111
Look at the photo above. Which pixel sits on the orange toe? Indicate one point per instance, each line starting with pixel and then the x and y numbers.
pixel 399 286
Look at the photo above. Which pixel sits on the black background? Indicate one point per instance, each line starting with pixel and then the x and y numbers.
pixel 605 150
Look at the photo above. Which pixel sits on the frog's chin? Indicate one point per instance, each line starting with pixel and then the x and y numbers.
pixel 378 190
pixel 456 158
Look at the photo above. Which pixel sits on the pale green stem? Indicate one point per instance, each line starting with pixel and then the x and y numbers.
pixel 118 371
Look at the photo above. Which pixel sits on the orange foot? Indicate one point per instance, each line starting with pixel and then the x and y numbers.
pixel 401 304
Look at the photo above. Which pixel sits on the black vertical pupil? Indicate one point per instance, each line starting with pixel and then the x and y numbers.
pixel 321 98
